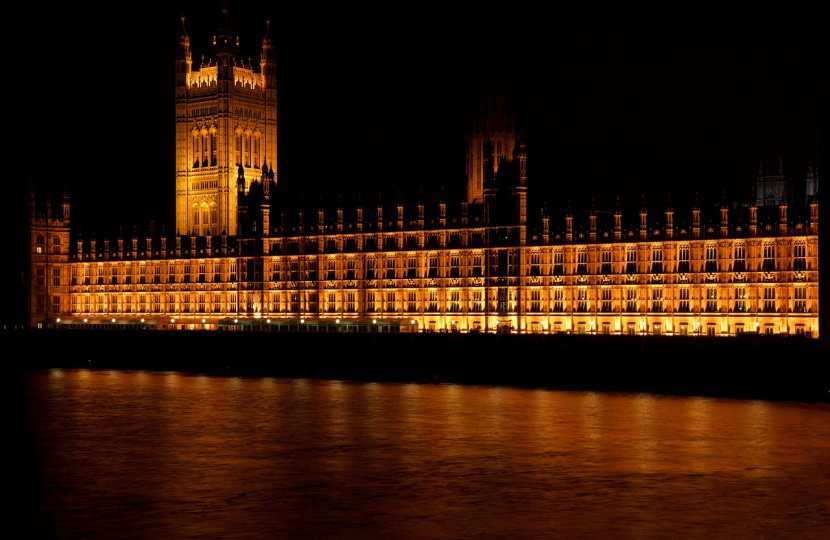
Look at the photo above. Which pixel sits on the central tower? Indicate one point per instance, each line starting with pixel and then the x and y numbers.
pixel 226 118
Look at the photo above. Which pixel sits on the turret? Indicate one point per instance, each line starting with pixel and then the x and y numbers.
pixel 724 217
pixel 782 216
pixel 814 215
pixel 339 215
pixel 696 219
pixel 569 224
pixel 400 211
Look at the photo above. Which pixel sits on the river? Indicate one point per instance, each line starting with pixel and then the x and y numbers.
pixel 138 454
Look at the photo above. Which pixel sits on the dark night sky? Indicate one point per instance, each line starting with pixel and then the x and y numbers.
pixel 381 98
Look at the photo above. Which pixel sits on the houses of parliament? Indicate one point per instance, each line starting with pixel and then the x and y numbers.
pixel 485 265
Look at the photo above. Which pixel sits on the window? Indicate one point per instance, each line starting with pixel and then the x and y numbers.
pixel 455 301
pixel 683 297
pixel 740 299
pixel 582 300
pixel 558 266
pixel 478 305
pixel 558 299
pixel 534 263
pixel 800 296
pixel 799 255
pixel 683 258
pixel 606 299
pixel 769 256
pixel 606 260
pixel 769 299
pixel 454 265
pixel 433 301
pixel 657 299
pixel 478 267
pixel 630 259
pixel 739 257
pixel 631 299
pixel 711 299
pixel 656 259
pixel 390 267
pixel 711 257
pixel 582 261
pixel 433 265
pixel 412 267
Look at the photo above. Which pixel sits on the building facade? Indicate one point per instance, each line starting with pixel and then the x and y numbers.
pixel 479 270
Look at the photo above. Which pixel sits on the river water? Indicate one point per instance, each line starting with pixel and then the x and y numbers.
pixel 119 454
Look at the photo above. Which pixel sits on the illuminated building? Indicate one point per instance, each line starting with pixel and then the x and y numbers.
pixel 482 269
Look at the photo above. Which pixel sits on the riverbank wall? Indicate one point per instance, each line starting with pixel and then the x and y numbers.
pixel 751 367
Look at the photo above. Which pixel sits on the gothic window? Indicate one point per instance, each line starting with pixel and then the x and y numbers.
pixel 606 260
pixel 631 299
pixel 657 299
pixel 582 300
pixel 535 303
pixel 534 263
pixel 454 265
pixel 630 259
pixel 433 301
pixel 711 257
pixel 769 299
pixel 657 259
pixel 800 255
pixel 558 262
pixel 455 301
pixel 739 257
pixel 800 296
pixel 683 297
pixel 582 261
pixel 683 258
pixel 769 256
pixel 711 299
pixel 411 266
pixel 478 305
pixel 606 299
pixel 558 299
pixel 433 265
pixel 740 299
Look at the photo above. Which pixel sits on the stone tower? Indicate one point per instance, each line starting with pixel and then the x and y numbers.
pixel 494 123
pixel 226 118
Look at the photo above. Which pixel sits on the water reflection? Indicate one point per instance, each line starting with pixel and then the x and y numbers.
pixel 135 454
